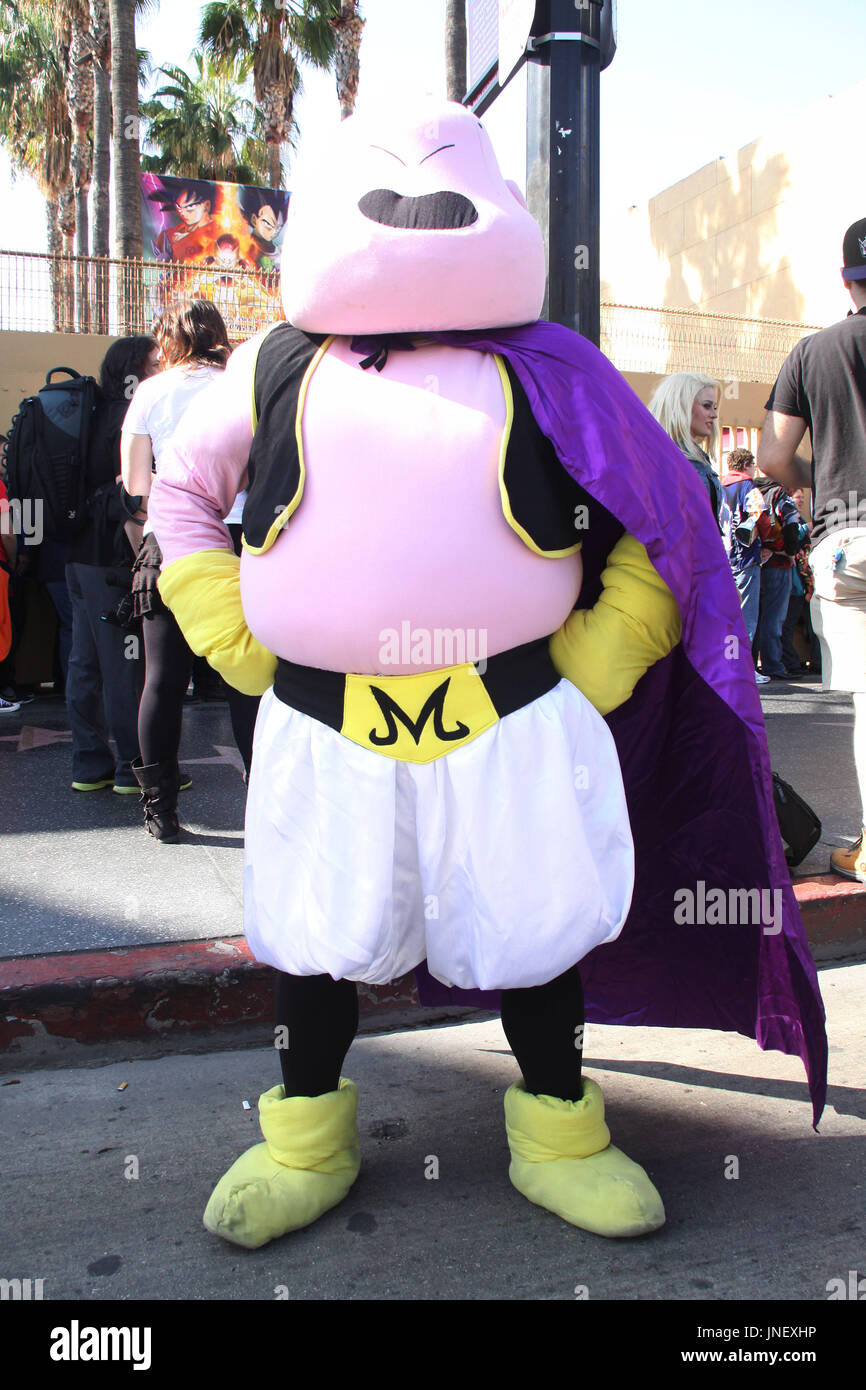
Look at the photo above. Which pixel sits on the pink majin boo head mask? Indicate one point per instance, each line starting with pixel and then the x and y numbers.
pixel 406 224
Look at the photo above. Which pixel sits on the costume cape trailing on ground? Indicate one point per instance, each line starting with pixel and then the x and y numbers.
pixel 691 739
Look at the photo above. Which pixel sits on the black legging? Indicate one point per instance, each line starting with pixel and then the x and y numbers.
pixel 167 671
pixel 168 667
pixel 317 1018
pixel 243 710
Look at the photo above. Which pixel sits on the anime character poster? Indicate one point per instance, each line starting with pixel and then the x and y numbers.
pixel 218 241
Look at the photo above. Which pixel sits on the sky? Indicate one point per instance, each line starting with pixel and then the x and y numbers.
pixel 691 80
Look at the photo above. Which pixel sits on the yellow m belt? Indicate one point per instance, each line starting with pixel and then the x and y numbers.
pixel 420 717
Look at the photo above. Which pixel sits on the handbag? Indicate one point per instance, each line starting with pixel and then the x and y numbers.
pixel 799 826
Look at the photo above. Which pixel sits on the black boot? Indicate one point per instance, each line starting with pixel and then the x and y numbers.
pixel 159 788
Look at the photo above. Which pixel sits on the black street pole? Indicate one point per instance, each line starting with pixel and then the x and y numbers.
pixel 562 141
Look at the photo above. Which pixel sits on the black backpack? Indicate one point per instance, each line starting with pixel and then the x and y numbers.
pixel 46 453
pixel 799 826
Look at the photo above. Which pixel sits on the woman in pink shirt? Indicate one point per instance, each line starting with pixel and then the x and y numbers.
pixel 194 349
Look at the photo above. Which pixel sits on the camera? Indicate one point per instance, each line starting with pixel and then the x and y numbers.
pixel 746 532
pixel 122 616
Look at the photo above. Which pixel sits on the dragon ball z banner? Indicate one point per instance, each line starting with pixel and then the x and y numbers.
pixel 210 236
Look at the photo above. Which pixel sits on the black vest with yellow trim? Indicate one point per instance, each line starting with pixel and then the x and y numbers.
pixel 540 501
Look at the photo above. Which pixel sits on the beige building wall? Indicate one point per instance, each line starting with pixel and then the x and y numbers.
pixel 758 233
pixel 25 358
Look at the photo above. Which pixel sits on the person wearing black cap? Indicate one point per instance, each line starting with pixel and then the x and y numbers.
pixel 822 387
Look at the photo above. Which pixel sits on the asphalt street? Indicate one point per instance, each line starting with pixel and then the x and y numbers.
pixel 79 872
pixel 104 1188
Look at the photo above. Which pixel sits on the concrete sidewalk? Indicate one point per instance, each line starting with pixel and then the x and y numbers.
pixel 104 1187
pixel 105 931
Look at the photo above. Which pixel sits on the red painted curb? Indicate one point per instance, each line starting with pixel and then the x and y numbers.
pixel 834 915
pixel 145 991
pixel 149 991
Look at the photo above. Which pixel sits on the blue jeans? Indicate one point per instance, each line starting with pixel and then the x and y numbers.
pixel 63 607
pixel 775 593
pixel 103 687
pixel 748 582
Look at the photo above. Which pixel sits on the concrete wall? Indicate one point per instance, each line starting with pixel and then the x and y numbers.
pixel 26 357
pixel 758 233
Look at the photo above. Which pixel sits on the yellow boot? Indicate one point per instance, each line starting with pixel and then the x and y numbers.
pixel 308 1162
pixel 562 1159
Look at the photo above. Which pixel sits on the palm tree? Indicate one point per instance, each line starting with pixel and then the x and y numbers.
pixel 71 20
pixel 36 131
pixel 455 49
pixel 100 38
pixel 207 130
pixel 347 27
pixel 125 128
pixel 276 35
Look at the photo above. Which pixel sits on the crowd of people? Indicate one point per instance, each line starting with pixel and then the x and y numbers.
pixel 766 538
pixel 788 572
pixel 123 663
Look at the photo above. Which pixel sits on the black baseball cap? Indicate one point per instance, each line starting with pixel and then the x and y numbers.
pixel 854 251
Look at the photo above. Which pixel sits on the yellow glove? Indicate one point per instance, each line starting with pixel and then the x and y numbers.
pixel 203 591
pixel 605 650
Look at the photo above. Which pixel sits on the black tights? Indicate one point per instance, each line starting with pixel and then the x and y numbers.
pixel 168 667
pixel 317 1018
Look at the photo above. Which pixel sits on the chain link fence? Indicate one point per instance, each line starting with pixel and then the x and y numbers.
pixel 67 294
pixel 663 341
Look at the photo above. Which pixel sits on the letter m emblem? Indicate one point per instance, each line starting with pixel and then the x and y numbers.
pixel 434 705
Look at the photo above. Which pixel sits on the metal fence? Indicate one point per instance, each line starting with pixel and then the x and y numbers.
pixel 681 340
pixel 66 294
pixel 69 294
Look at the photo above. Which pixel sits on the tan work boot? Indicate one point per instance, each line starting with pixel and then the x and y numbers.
pixel 851 863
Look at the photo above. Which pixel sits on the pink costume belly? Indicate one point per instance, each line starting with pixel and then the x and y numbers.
pixel 399 557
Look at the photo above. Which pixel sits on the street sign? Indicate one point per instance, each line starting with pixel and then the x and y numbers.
pixel 568 43
pixel 497 34
pixel 482 40
pixel 608 34
pixel 515 26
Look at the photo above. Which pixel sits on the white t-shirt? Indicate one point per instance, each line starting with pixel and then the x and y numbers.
pixel 157 407
pixel 160 401
pixel 236 515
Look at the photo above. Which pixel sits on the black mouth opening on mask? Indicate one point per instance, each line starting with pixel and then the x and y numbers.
pixel 433 212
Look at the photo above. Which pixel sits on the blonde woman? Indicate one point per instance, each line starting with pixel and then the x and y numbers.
pixel 686 406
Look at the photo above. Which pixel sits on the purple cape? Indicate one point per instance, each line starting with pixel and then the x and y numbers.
pixel 691 738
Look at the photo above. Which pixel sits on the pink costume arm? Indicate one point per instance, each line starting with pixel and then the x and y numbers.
pixel 204 468
pixel 204 465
